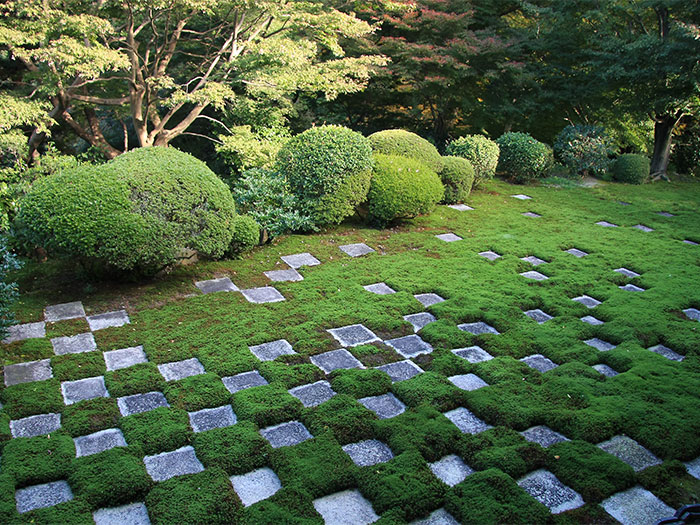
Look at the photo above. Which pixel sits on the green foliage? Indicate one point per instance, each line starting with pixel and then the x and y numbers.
pixel 8 291
pixel 266 405
pixel 671 482
pixel 481 152
pixel 67 328
pixel 458 178
pixel 197 392
pixel 357 382
pixel 584 149
pixel 686 152
pixel 244 149
pixel 29 399
pixel 137 379
pixel 246 234
pixel 430 388
pixel 630 168
pixel 522 158
pixel 237 449
pixel 287 505
pixel 401 143
pixel 290 374
pixel 158 430
pixel 71 367
pixel 41 459
pixel 93 415
pixel 344 416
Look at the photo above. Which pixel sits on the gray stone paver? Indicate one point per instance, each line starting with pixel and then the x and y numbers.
pixel 692 243
pixel 131 514
pixel 521 197
pixel 124 358
pixel 576 252
pixel 548 490
pixel 64 311
pixel 108 320
pixel 428 299
pixel 599 344
pixel 98 442
pixel 451 470
pixel 693 467
pixel 42 496
pixel 437 517
pixel 242 381
pixel 138 403
pixel 262 295
pixel 286 434
pixel 298 260
pixel 692 313
pixel 631 288
pixel 490 255
pixel 334 360
pixel 353 335
pixel 665 214
pixel 410 345
pixel 379 289
pixel 272 350
pixel 369 452
pixel 636 506
pixel 167 465
pixel 535 276
pixel 74 344
pixel 19 332
pixel 478 328
pixel 666 352
pixel 623 203
pixel 83 389
pixel 643 228
pixel 356 250
pixel 419 320
pixel 385 406
pixel 535 261
pixel 256 486
pixel 284 275
pixel 313 394
pixel 592 320
pixel 177 370
pixel 28 372
pixel 538 315
pixel 539 363
pixel 473 354
pixel 543 436
pixel 348 507
pixel 466 421
pixel 468 382
pixel 222 284
pixel 449 237
pixel 606 224
pixel 587 301
pixel 605 370
pixel 401 370
pixel 532 215
pixel 629 451
pixel 209 418
pixel 460 207
pixel 626 272
pixel 33 426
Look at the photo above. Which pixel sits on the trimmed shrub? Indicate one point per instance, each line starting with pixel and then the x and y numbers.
pixel 402 188
pixel 481 152
pixel 406 144
pixel 246 234
pixel 630 168
pixel 140 212
pixel 328 168
pixel 458 177
pixel 586 150
pixel 523 158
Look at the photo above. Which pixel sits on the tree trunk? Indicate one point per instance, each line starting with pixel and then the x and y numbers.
pixel 663 131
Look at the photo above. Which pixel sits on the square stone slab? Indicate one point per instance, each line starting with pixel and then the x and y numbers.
pixel 356 250
pixel 124 358
pixel 379 289
pixel 491 256
pixel 75 344
pixel 532 215
pixel 33 426
pixel 83 389
pixel 222 284
pixel 548 490
pixel 42 496
pixel 138 403
pixel 132 514
pixel 284 275
pixel 599 344
pixel 460 207
pixel 345 508
pixel 181 369
pixel 631 288
pixel 256 486
pixel 449 237
pixel 63 312
pixel 313 394
pixel 286 434
pixel 629 451
pixel 606 224
pixel 478 328
pixel 605 370
pixel 535 261
pixel 665 214
pixel 693 467
pixel 27 372
pixel 576 252
pixel 636 506
pixel 538 315
pixel 438 517
pixel 466 422
pixel 451 470
pixel 170 464
pixel 666 352
pixel 271 351
pixel 626 272
pixel 521 197
pixel 264 294
pixel 300 259
pixel 385 406
pixel 537 276
pixel 20 332
pixel 468 382
pixel 401 370
pixel 623 203
pixel 473 354
pixel 428 299
pixel 592 320
pixel 353 335
pixel 543 436
pixel 419 320
pixel 587 301
pixel 539 362
pixel 242 381
pixel 643 228
pixel 335 359
pixel 369 452
pixel 410 345
pixel 690 313
pixel 108 320
pixel 208 418
pixel 99 442
pixel 688 241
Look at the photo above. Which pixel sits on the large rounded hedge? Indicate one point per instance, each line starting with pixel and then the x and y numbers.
pixel 328 169
pixel 585 150
pixel 406 144
pixel 401 188
pixel 481 152
pixel 523 158
pixel 458 176
pixel 630 168
pixel 140 212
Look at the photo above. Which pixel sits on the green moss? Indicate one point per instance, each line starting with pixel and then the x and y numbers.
pixel 90 416
pixel 288 505
pixel 266 405
pixel 429 388
pixel 344 416
pixel 5 434
pixel 237 449
pixel 118 337
pixel 29 399
pixel 71 367
pixel 197 392
pixel 27 350
pixel 8 506
pixel 36 460
pixel 75 512
pixel 671 482
pixel 67 328
pixel 158 430
pixel 289 374
pixel 371 355
pixel 225 362
pixel 137 379
pixel 360 383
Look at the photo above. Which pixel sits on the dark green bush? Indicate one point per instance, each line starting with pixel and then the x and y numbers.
pixel 458 177
pixel 246 234
pixel 523 158
pixel 481 152
pixel 585 150
pixel 328 168
pixel 406 144
pixel 630 168
pixel 402 188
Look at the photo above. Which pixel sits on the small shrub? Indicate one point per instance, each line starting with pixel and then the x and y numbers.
pixel 585 150
pixel 458 177
pixel 246 234
pixel 523 158
pixel 630 168
pixel 481 152
pixel 406 144
pixel 8 291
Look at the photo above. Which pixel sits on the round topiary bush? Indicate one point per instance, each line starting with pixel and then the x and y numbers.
pixel 585 150
pixel 328 168
pixel 523 158
pixel 246 234
pixel 406 144
pixel 630 168
pixel 458 176
pixel 401 188
pixel 138 213
pixel 480 151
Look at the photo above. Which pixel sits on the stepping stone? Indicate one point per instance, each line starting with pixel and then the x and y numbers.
pixel 473 354
pixel 410 345
pixel 353 335
pixel 356 250
pixel 460 207
pixel 548 490
pixel 468 382
pixel 313 394
pixel 587 301
pixel 379 289
pixel 286 434
pixel 537 276
pixel 665 214
pixel 181 369
pixel 222 284
pixel 428 299
pixel 385 406
pixel 631 288
pixel 606 224
pixel 535 261
pixel 693 467
pixel 209 418
pixel 132 514
pixel 256 486
pixel 478 328
pixel 666 352
pixel 271 351
pixel 345 508
pixel 284 275
pixel 538 315
pixel 83 389
pixel 124 358
pixel 688 241
pixel 33 426
pixel 623 203
pixel 491 256
pixel 42 496
pixel 401 370
pixel 138 403
pixel 75 344
pixel 466 422
pixel 419 320
pixel 19 332
pixel 629 451
pixel 605 370
pixel 643 228
pixel 626 272
pixel 592 320
pixel 539 363
pixel 300 259
pixel 543 436
pixel 599 344
pixel 242 381
pixel 27 372
pixel 576 252
pixel 264 294
pixel 99 442
pixel 451 470
pixel 449 237
pixel 369 452
pixel 521 197
pixel 532 215
pixel 63 312
pixel 636 506
pixel 438 517
pixel 690 313
pixel 108 320
pixel 335 359
pixel 167 465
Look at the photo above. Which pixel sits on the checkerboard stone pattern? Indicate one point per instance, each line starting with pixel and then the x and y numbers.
pixel 99 442
pixel 532 215
pixel 473 354
pixel 108 320
pixel 451 470
pixel 460 207
pixel 264 294
pixel 627 273
pixel 410 346
pixel 538 315
pixel 177 370
pixel 535 276
pixel 210 418
pixel 521 197
pixel 131 514
pixel 448 237
pixel 170 464
pixel 468 382
pixel 33 426
pixel 605 370
pixel 692 313
pixel 385 406
pixel 19 332
pixel 636 506
pixel 401 370
pixel 478 328
pixel 255 486
pixel 666 352
pixel 286 434
pixel 631 288
pixel 548 490
pixel 222 284
pixel 313 394
pixel 490 255
pixel 353 335
pixel 466 421
pixel 348 507
pixel 242 381
pixel 419 320
pixel 587 301
pixel 28 372
pixel 83 389
pixel 284 275
pixel 437 517
pixel 124 358
pixel 643 228
pixel 75 344
pixel 576 252
pixel 334 360
pixel 543 436
pixel 356 250
pixel 535 261
pixel 369 452
pixel 599 344
pixel 273 350
pixel 606 224
pixel 592 320
pixel 42 496
pixel 139 403
pixel 631 452
pixel 428 299
pixel 298 260
pixel 539 362
pixel 379 289
pixel 63 312
pixel 693 467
